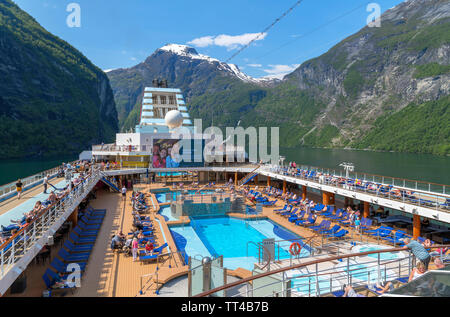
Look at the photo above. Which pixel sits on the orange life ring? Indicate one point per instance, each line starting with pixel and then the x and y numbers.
pixel 295 248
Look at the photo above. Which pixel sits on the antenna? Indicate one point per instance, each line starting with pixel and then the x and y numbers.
pixel 349 167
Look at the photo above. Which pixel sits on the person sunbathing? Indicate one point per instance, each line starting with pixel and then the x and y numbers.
pixel 59 282
pixel 350 292
pixel 417 272
pixel 383 288
pixel 37 207
pixel 149 248
pixel 52 197
pixel 438 263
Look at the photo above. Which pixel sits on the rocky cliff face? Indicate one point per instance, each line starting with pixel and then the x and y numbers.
pixel 381 70
pixel 53 100
pixel 382 88
pixel 183 67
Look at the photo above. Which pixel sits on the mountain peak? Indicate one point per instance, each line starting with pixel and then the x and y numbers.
pixel 189 54
pixel 179 49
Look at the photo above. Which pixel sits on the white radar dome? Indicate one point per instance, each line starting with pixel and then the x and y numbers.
pixel 173 119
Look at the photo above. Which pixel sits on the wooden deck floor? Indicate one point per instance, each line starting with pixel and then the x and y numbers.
pixel 112 274
pixel 13 202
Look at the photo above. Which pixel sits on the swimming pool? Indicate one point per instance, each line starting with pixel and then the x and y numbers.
pixel 383 256
pixel 167 213
pixel 365 272
pixel 168 196
pixel 173 173
pixel 231 237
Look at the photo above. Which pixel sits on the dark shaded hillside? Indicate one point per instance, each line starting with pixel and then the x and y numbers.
pixel 53 100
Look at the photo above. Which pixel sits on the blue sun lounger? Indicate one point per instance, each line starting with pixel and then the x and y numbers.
pixel 61 267
pixel 50 279
pixel 156 253
pixel 289 213
pixel 282 209
pixel 75 257
pixel 77 248
pixel 332 230
pixel 339 234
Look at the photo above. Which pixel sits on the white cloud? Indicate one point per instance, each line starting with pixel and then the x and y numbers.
pixel 228 41
pixel 133 59
pixel 254 65
pixel 279 71
pixel 202 41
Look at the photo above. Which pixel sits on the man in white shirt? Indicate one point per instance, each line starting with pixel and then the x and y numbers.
pixel 124 192
pixel 45 182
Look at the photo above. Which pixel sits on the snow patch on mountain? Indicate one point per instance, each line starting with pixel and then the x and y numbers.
pixel 190 52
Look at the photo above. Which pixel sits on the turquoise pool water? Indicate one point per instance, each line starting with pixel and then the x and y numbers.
pixel 364 273
pixel 166 213
pixel 172 173
pixel 168 196
pixel 383 256
pixel 230 237
pixel 307 285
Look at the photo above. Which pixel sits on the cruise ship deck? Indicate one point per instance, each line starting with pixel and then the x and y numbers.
pixel 113 274
pixel 220 228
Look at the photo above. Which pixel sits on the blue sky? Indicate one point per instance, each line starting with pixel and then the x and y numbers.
pixel 117 33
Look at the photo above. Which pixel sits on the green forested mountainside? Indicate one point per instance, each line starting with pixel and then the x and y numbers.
pixel 53 100
pixel 360 94
pixel 424 127
pixel 345 98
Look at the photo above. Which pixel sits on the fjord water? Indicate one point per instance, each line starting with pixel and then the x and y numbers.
pixel 424 167
pixel 11 170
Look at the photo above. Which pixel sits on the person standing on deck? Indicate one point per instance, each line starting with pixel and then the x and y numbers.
pixel 124 192
pixel 418 250
pixel 45 181
pixel 19 188
pixel 134 248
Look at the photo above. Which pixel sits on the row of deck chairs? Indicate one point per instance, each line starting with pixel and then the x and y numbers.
pixel 324 228
pixel 76 249
pixel 259 198
pixel 383 232
pixel 148 231
pixel 381 189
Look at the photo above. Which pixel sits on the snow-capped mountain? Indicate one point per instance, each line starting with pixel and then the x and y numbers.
pixel 184 68
pixel 191 53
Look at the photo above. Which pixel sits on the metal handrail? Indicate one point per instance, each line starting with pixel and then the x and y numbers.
pixel 363 173
pixel 388 195
pixel 248 175
pixel 30 180
pixel 24 239
pixel 271 168
pixel 300 265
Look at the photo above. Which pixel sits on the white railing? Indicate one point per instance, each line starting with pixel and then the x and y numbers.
pixel 35 179
pixel 438 200
pixel 121 148
pixel 320 276
pixel 17 246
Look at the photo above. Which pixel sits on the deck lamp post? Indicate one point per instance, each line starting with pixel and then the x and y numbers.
pixel 348 167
